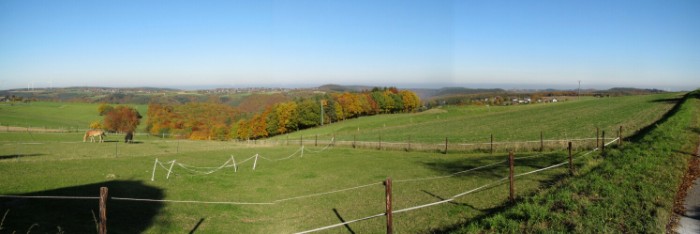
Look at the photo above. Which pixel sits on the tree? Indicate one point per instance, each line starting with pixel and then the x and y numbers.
pixel 96 124
pixel 122 119
pixel 104 108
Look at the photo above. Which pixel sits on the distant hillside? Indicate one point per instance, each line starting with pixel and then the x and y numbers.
pixel 344 88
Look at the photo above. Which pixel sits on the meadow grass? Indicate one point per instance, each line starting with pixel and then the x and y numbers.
pixel 631 189
pixel 54 115
pixel 470 124
pixel 61 164
pixel 335 168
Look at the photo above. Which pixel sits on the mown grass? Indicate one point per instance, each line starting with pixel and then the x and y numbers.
pixel 630 190
pixel 469 124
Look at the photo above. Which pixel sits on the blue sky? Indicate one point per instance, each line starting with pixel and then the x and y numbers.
pixel 507 44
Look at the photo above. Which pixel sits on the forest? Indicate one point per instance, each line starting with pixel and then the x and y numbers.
pixel 217 121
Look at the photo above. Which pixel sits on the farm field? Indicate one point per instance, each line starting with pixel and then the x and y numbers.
pixel 306 191
pixel 471 124
pixel 54 115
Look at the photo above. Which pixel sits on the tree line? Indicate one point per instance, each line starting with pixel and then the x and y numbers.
pixel 218 121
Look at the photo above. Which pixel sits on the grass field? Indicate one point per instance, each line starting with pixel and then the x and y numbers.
pixel 57 164
pixel 469 124
pixel 54 115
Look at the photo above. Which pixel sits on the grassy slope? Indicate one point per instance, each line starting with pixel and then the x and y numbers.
pixel 54 114
pixel 630 190
pixel 572 119
pixel 56 165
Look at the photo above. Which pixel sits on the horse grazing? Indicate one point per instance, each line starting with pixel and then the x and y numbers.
pixel 94 133
pixel 129 138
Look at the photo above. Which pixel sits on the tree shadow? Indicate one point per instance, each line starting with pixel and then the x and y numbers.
pixel 14 156
pixel 644 131
pixel 80 216
pixel 668 100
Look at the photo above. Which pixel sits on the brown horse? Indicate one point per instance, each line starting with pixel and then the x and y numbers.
pixel 94 133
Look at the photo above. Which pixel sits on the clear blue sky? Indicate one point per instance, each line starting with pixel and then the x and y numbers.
pixel 509 44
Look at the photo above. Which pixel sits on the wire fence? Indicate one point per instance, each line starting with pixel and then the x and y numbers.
pixel 277 201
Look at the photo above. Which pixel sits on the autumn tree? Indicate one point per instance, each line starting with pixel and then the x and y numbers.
pixel 122 119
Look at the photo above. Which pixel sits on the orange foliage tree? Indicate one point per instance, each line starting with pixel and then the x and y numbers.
pixel 122 119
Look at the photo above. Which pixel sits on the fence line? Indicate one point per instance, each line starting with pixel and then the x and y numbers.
pixel 453 197
pixel 319 194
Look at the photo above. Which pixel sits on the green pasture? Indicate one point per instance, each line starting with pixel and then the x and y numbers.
pixel 470 124
pixel 299 187
pixel 54 115
pixel 60 166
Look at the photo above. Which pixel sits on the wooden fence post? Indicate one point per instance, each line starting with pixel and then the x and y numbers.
pixel 541 142
pixel 619 135
pixel 301 140
pixel 597 137
pixel 409 143
pixel 445 145
pixel 491 143
pixel 103 210
pixel 354 140
pixel 287 143
pixel 116 149
pixel 510 176
pixel 603 143
pixel 316 140
pixel 571 165
pixel 389 216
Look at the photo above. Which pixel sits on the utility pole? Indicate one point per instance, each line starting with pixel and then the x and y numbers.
pixel 579 90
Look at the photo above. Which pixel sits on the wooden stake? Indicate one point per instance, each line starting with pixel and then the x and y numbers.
pixel 354 139
pixel 492 143
pixel 597 137
pixel 316 140
pixel 116 149
pixel 445 145
pixel 571 165
pixel 541 142
pixel 103 210
pixel 389 211
pixel 512 182
pixel 301 140
pixel 603 142
pixel 409 143
pixel 619 135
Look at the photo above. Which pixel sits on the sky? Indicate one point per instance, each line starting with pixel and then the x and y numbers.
pixel 412 44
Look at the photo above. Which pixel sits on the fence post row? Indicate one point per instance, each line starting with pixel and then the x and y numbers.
pixel 512 183
pixel 103 210
pixel 389 216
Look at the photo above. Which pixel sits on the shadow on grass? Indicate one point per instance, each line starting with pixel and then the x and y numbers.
pixel 644 131
pixel 14 156
pixel 667 100
pixel 79 216
pixel 342 221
